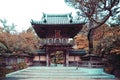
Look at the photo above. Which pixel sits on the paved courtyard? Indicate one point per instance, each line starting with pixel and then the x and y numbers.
pixel 59 73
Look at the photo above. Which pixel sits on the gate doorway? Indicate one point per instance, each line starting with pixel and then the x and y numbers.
pixel 57 58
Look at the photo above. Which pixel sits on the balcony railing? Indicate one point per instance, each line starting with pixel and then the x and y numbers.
pixel 57 41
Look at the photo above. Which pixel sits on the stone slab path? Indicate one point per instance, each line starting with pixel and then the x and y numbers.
pixel 59 73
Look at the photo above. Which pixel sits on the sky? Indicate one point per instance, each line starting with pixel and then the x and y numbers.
pixel 20 12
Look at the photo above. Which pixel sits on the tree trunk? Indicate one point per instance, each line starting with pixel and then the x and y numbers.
pixel 90 40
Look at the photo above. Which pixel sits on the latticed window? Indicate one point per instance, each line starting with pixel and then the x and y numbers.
pixel 57 41
pixel 64 41
pixel 50 41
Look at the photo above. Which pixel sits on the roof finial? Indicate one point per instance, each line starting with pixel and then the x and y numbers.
pixel 44 18
pixel 70 17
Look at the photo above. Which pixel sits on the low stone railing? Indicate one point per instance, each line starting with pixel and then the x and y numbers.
pixel 92 64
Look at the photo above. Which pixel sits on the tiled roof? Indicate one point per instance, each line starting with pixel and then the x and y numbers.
pixel 79 52
pixel 56 19
pixel 41 51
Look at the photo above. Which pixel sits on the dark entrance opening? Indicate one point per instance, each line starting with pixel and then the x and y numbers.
pixel 57 58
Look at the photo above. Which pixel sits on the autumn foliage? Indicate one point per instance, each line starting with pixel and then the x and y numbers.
pixel 25 42
pixel 81 42
pixel 106 39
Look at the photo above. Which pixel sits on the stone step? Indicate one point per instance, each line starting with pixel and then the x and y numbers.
pixel 67 68
pixel 60 73
pixel 62 76
pixel 53 71
pixel 54 79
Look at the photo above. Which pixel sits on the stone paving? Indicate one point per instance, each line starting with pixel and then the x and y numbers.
pixel 59 73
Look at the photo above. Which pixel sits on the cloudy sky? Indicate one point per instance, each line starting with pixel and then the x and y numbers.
pixel 20 12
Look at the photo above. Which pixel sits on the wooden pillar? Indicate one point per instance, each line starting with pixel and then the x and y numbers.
pixel 15 60
pixel 74 58
pixel 39 59
pixel 47 59
pixel 67 58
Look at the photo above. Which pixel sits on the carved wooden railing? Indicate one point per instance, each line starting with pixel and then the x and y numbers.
pixel 52 41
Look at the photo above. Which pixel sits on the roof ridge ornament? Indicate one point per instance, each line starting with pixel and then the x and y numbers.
pixel 70 17
pixel 44 18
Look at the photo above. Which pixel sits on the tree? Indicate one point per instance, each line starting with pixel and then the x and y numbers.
pixel 3 47
pixel 110 42
pixel 97 13
pixel 115 21
pixel 8 28
pixel 81 42
pixel 24 42
pixel 28 41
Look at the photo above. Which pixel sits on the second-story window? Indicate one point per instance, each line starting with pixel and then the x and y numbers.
pixel 50 41
pixel 64 41
pixel 57 41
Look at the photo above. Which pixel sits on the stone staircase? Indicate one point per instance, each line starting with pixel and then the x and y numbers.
pixel 59 73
